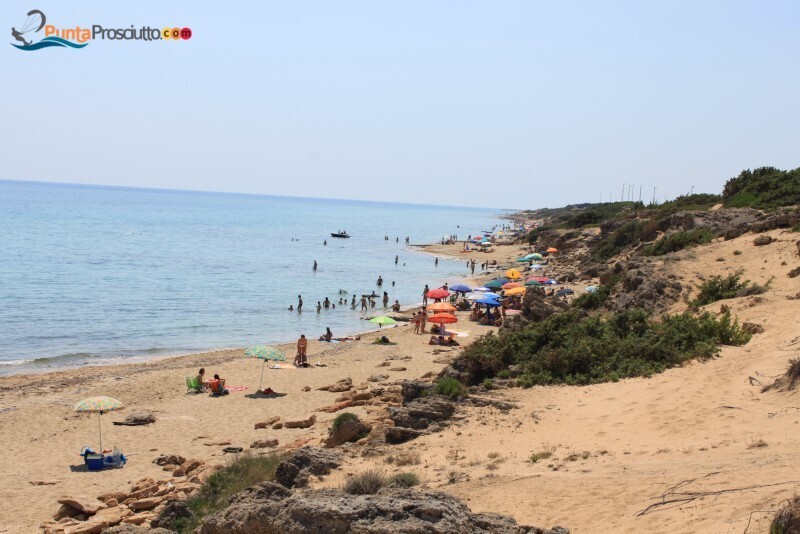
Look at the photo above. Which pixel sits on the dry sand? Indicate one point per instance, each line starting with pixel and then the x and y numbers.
pixel 616 447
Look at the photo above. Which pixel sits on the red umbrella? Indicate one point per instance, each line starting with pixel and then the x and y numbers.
pixel 438 293
pixel 442 319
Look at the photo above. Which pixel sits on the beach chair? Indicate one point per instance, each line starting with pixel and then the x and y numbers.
pixel 216 388
pixel 193 385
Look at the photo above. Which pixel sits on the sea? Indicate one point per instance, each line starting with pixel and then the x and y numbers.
pixel 100 275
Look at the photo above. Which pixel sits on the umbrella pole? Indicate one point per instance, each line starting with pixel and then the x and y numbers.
pixel 260 382
pixel 100 430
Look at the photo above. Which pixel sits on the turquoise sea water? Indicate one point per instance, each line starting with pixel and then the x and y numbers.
pixel 93 274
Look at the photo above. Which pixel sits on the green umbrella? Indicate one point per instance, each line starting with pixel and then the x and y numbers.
pixel 382 320
pixel 265 353
pixel 533 282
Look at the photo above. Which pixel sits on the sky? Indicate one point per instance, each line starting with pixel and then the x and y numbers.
pixel 504 104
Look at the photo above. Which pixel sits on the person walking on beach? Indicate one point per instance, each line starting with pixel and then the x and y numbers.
pixel 425 295
pixel 315 266
pixel 423 319
pixel 302 347
pixel 299 303
pixel 363 303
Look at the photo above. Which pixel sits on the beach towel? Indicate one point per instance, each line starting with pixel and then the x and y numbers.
pixel 236 388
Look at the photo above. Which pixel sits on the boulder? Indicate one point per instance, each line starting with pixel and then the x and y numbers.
pixel 412 389
pixel 762 240
pixel 143 483
pixel 302 422
pixel 264 443
pixel 172 511
pixel 421 413
pixel 268 507
pixel 377 378
pixel 145 504
pixel 169 459
pixel 395 435
pixel 133 529
pixel 296 470
pixel 187 467
pixel 344 384
pixel 142 417
pixel 85 505
pixel 794 272
pixel 347 432
pixel 277 426
pixel 97 523
pixel 269 422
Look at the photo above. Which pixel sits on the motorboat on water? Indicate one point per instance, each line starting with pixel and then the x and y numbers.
pixel 341 233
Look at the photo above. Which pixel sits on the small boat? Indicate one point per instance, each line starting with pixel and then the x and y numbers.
pixel 340 234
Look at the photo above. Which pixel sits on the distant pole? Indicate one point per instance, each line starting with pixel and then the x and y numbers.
pixel 640 193
pixel 654 194
pixel 622 193
pixel 691 190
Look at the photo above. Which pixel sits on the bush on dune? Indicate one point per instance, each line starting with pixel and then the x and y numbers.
pixel 569 348
pixel 727 287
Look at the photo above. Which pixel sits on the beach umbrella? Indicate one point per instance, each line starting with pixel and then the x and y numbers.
pixel 460 288
pixel 99 405
pixel 535 256
pixel 513 274
pixel 438 293
pixel 265 353
pixel 382 320
pixel 523 259
pixel 496 284
pixel 480 289
pixel 486 243
pixel 441 307
pixel 552 249
pixel 487 302
pixel 535 266
pixel 562 292
pixel 516 291
pixel 532 282
pixel 511 285
pixel 488 295
pixel 442 319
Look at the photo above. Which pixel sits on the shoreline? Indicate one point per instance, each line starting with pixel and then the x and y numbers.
pixel 7 370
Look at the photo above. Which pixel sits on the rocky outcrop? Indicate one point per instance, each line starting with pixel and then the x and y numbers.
pixel 537 307
pixel 643 286
pixel 423 413
pixel 268 508
pixel 296 470
pixel 345 384
pixel 347 432
pixel 301 422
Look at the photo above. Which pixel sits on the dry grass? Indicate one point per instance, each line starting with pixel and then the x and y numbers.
pixel 790 378
pixel 365 483
pixel 757 444
pixel 787 520
pixel 542 455
pixel 407 458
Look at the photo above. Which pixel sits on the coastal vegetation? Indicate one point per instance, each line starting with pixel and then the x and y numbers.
pixel 726 287
pixel 403 480
pixel 450 387
pixel 574 348
pixel 594 300
pixel 365 483
pixel 241 472
pixel 342 418
pixel 763 188
pixel 679 241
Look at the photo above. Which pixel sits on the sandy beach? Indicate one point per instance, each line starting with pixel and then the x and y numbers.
pixel 615 447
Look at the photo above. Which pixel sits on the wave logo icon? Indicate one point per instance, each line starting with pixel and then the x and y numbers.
pixel 33 25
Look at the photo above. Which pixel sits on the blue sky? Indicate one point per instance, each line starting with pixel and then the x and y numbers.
pixel 498 104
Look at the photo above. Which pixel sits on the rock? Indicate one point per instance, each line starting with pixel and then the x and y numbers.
pixel 43 482
pixel 354 396
pixel 187 467
pixel 396 435
pixel 118 495
pixel 303 422
pixel 133 529
pixel 377 378
pixel 794 272
pixel 335 407
pixel 144 492
pixel 267 508
pixel 306 388
pixel 142 417
pixel 420 413
pixel 398 369
pixel 762 240
pixel 143 483
pixel 412 389
pixel 753 328
pixel 277 426
pixel 172 511
pixel 306 461
pixel 269 422
pixel 344 384
pixel 145 504
pixel 347 432
pixel 264 443
pixel 97 523
pixel 86 505
pixel 140 519
pixel 169 459
pixel 66 511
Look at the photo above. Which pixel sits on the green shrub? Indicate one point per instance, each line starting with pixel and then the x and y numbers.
pixel 593 301
pixel 403 480
pixel 504 374
pixel 737 252
pixel 679 241
pixel 541 455
pixel 719 288
pixel 571 348
pixel 365 483
pixel 763 188
pixel 621 238
pixel 487 384
pixel 342 418
pixel 450 387
pixel 242 471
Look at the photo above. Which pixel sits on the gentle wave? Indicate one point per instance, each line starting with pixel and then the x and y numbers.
pixel 48 42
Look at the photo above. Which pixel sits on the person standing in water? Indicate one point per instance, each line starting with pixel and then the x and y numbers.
pixel 299 303
pixel 363 303
pixel 396 259
pixel 315 266
pixel 436 262
pixel 380 280
pixel 425 295
pixel 385 299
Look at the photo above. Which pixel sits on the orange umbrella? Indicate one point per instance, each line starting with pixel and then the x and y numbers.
pixel 511 285
pixel 516 291
pixel 442 319
pixel 442 307
pixel 552 249
pixel 513 274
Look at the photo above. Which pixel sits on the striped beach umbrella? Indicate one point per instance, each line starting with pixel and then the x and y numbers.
pixel 99 405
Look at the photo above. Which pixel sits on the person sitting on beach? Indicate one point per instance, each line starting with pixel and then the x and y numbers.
pixel 396 306
pixel 451 342
pixel 217 386
pixel 436 340
pixel 383 340
pixel 302 347
pixel 201 378
pixel 327 336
